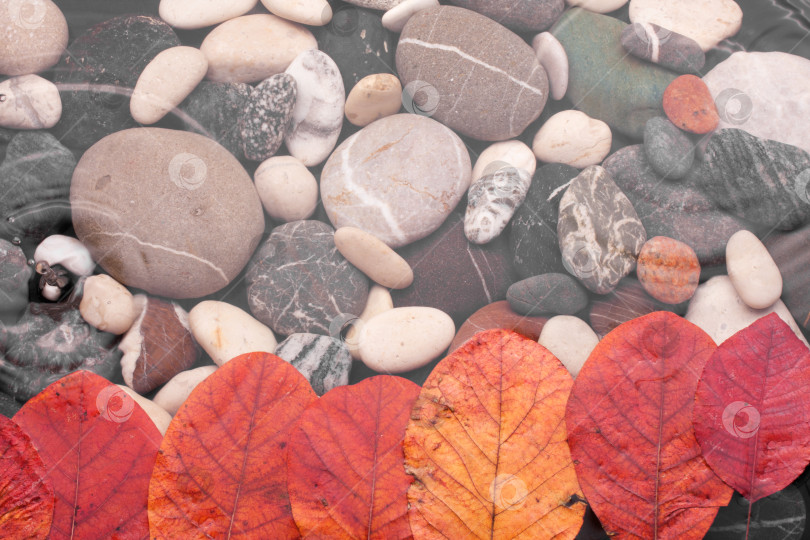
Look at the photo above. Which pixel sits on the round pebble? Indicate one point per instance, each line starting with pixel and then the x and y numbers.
pixel 309 12
pixel 372 98
pixel 547 293
pixel 379 300
pixel 224 331
pixel 179 387
pixel 373 257
pixel 107 305
pixel 690 106
pixel 574 138
pixel 35 34
pixel 669 150
pixel 287 189
pixel 266 116
pixel 752 270
pixel 598 6
pixel 551 55
pixel 395 18
pixel 192 14
pixel 570 339
pixel 29 102
pixel 504 154
pixel 668 270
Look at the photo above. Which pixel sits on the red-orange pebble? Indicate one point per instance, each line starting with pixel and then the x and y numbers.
pixel 688 104
pixel 668 270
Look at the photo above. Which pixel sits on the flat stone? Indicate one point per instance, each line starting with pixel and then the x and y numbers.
pixel 29 102
pixel 552 56
pixel 395 18
pixel 177 390
pixel 706 21
pixel 165 82
pixel 379 300
pixel 627 301
pixel 406 338
pixel 107 305
pixel 198 199
pixel 213 109
pixel 670 152
pixel 372 98
pixel 598 6
pixel 600 233
pixel 752 271
pixel 604 81
pixel 489 89
pixel 668 270
pixel 373 257
pixel 397 178
pixel 547 293
pixel 298 282
pixel 791 253
pixel 491 202
pixel 504 154
pixel 497 315
pixel 759 180
pixel 690 106
pixel 309 12
pixel 520 15
pixel 14 276
pixel 570 339
pixel 287 189
pixel 252 48
pixel 324 361
pixel 192 14
pixel 318 114
pixel 35 34
pixel 663 47
pixel 224 331
pixel 266 116
pixel 573 138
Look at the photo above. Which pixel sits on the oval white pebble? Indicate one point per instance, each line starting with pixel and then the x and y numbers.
pixel 552 56
pixel 179 387
pixel 165 82
pixel 107 305
pixel 373 97
pixel 379 300
pixel 310 12
pixel 191 14
pixel 706 21
pixel 752 270
pixel 598 6
pixel 505 153
pixel 67 251
pixel 287 189
pixel 405 338
pixel 155 412
pixel 395 18
pixel 29 102
pixel 373 257
pixel 570 339
pixel 224 331
pixel 574 138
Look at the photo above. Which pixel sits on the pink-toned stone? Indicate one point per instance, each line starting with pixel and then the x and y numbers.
pixel 690 106
pixel 668 270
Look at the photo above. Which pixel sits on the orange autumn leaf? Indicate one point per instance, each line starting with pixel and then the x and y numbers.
pixel 221 470
pixel 345 463
pixel 486 445
pixel 629 422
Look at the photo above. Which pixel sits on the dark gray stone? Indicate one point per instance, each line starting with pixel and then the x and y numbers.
pixel 298 282
pixel 266 115
pixel 520 15
pixel 213 109
pixel 791 253
pixel 781 516
pixel 548 293
pixel 663 47
pixel 669 150
pixel 323 360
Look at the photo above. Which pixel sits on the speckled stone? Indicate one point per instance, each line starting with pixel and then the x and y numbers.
pixel 266 115
pixel 600 233
pixel 213 109
pixel 664 47
pixel 324 361
pixel 627 301
pixel 497 315
pixel 29 102
pixel 298 282
pixel 690 106
pixel 520 15
pixel 668 270
pixel 489 89
pixel 547 293
pixel 491 202
pixel 670 152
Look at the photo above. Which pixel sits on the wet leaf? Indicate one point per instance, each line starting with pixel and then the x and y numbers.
pixel 99 448
pixel 221 470
pixel 345 466
pixel 752 416
pixel 486 445
pixel 26 499
pixel 629 420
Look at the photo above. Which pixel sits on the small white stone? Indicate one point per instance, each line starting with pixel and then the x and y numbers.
pixel 155 412
pixel 574 138
pixel 191 14
pixel 405 338
pixel 287 189
pixel 379 300
pixel 310 12
pixel 29 102
pixel 552 56
pixel 107 305
pixel 67 251
pixel 752 270
pixel 373 257
pixel 598 6
pixel 224 331
pixel 395 18
pixel 706 21
pixel 504 154
pixel 570 339
pixel 165 82
pixel 373 97
pixel 179 387
pixel 720 312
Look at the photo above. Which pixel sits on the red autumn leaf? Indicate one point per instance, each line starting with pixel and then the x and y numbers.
pixel 26 498
pixel 99 448
pixel 752 416
pixel 345 466
pixel 629 422
pixel 486 445
pixel 221 470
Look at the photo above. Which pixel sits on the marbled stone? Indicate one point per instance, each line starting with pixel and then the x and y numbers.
pixel 252 48
pixel 600 233
pixel 481 274
pixel 287 189
pixel 573 138
pixel 318 114
pixel 35 34
pixel 397 178
pixel 670 152
pixel 504 154
pixel 14 276
pixel 706 21
pixel 520 15
pixel 791 253
pixel 100 69
pixel 668 270
pixel 690 106
pixel 552 56
pixel 762 181
pixel 752 271
pixel 676 210
pixel 177 390
pixel 491 202
pixel 627 301
pixel 373 257
pixel 266 115
pixel 547 293
pixel 213 110
pixel 324 361
pixel 372 98
pixel 197 198
pixel 310 12
pixel 225 331
pixel 497 315
pixel 298 282
pixel 533 237
pixel 603 80
pixel 780 516
pixel 29 102
pixel 395 18
pixel 489 89
pixel 570 339
pixel 663 47
pixel 192 14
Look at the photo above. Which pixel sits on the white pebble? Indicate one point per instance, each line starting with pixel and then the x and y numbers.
pixel 574 138
pixel 753 272
pixel 598 6
pixel 504 154
pixel 29 102
pixel 224 331
pixel 107 305
pixel 379 300
pixel 287 189
pixel 155 412
pixel 570 339
pixel 310 12
pixel 706 21
pixel 395 18
pixel 373 257
pixel 191 14
pixel 552 56
pixel 179 387
pixel 67 251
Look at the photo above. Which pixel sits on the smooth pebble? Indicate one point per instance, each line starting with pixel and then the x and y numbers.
pixel 395 18
pixel 192 14
pixel 66 251
pixel 35 34
pixel 570 339
pixel 224 331
pixel 752 270
pixel 598 6
pixel 668 270
pixel 372 98
pixel 706 21
pixel 179 387
pixel 373 257
pixel 379 300
pixel 309 12
pixel 107 305
pixel 502 154
pixel 155 412
pixel 29 102
pixel 574 138
pixel 287 189
pixel 551 55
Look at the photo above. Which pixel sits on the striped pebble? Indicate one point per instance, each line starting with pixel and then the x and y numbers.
pixel 324 361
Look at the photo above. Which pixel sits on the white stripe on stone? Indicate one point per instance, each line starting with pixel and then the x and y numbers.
pixel 655 43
